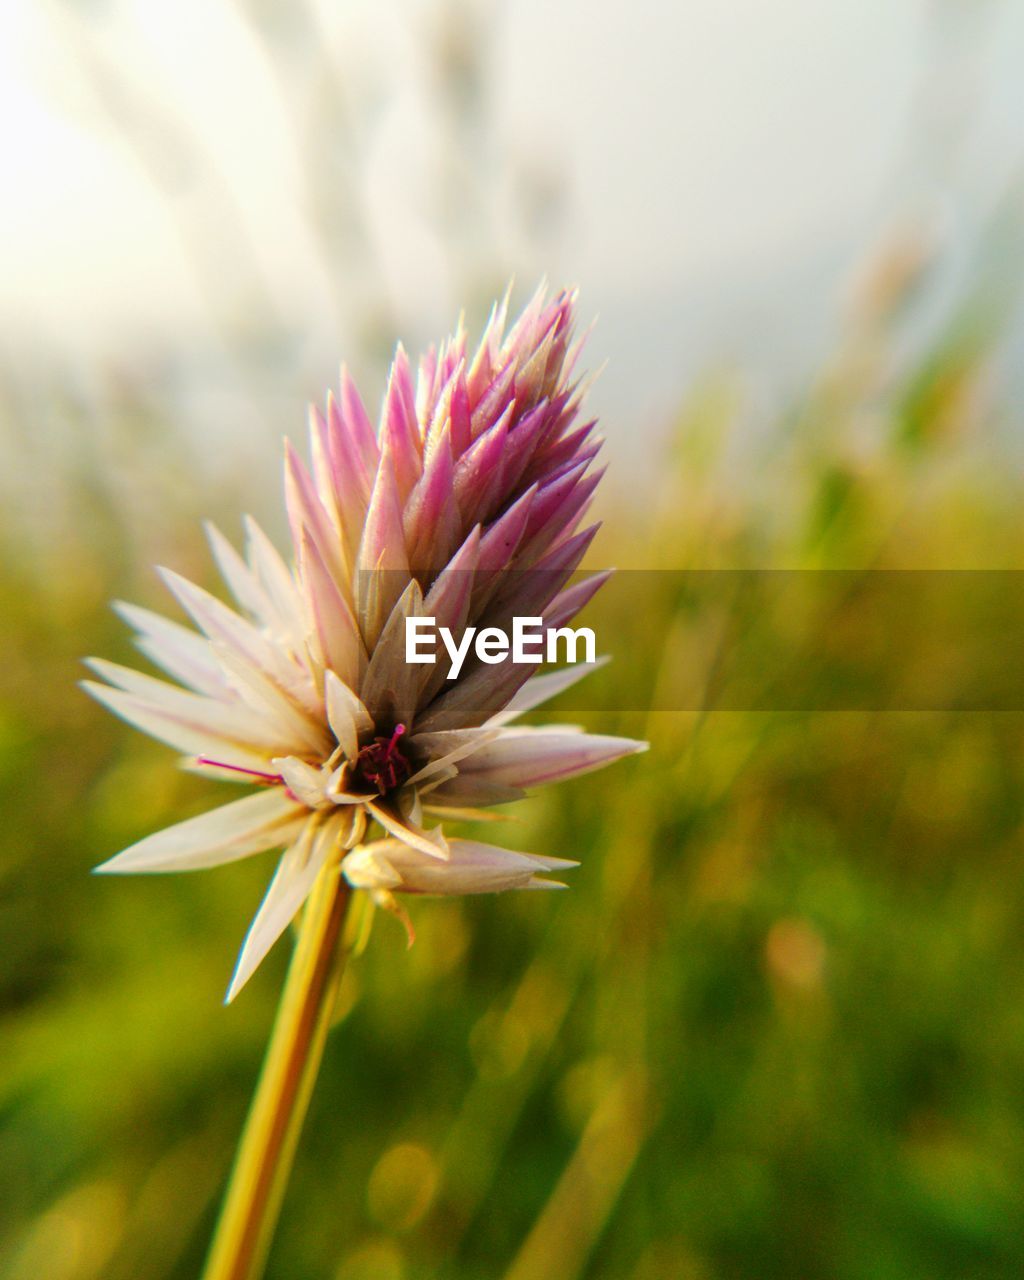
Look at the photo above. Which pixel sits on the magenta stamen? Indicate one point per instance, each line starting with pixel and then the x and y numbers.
pixel 268 778
pixel 382 764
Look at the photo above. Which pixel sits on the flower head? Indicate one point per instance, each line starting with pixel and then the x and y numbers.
pixel 464 506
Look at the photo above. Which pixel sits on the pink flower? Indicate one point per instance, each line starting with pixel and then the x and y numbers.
pixel 464 506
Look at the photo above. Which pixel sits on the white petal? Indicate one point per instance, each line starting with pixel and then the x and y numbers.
pixel 473 791
pixel 346 714
pixel 220 623
pixel 432 843
pixel 192 734
pixel 240 579
pixel 473 867
pixel 436 779
pixel 303 781
pixel 523 757
pixel 273 573
pixel 296 873
pixel 336 792
pixel 446 747
pixel 266 820
pixel 333 625
pixel 232 720
pixel 295 729
pixel 368 868
pixel 181 652
pixel 307 512
pixel 539 689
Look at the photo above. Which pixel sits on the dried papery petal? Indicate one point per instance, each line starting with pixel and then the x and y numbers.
pixel 465 507
pixel 265 820
pixel 177 650
pixel 472 867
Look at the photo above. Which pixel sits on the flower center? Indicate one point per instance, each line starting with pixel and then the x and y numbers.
pixel 381 763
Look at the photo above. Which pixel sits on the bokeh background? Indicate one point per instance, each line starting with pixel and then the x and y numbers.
pixel 777 1027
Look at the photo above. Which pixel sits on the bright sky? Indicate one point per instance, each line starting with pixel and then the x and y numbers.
pixel 703 146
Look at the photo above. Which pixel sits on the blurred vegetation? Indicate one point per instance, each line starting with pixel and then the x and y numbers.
pixel 777 1027
pixel 774 1030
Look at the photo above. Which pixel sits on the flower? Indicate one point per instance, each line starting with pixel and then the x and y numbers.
pixel 464 507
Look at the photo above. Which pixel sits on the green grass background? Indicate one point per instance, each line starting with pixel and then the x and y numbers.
pixel 776 1029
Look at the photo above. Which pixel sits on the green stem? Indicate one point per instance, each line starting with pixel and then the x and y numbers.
pixel 267 1147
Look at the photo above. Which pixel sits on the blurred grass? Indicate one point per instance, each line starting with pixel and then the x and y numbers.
pixel 775 1029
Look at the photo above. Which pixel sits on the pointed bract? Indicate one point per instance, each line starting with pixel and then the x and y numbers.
pixel 266 820
pixel 464 506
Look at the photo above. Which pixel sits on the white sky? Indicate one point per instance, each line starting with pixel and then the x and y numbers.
pixel 711 150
